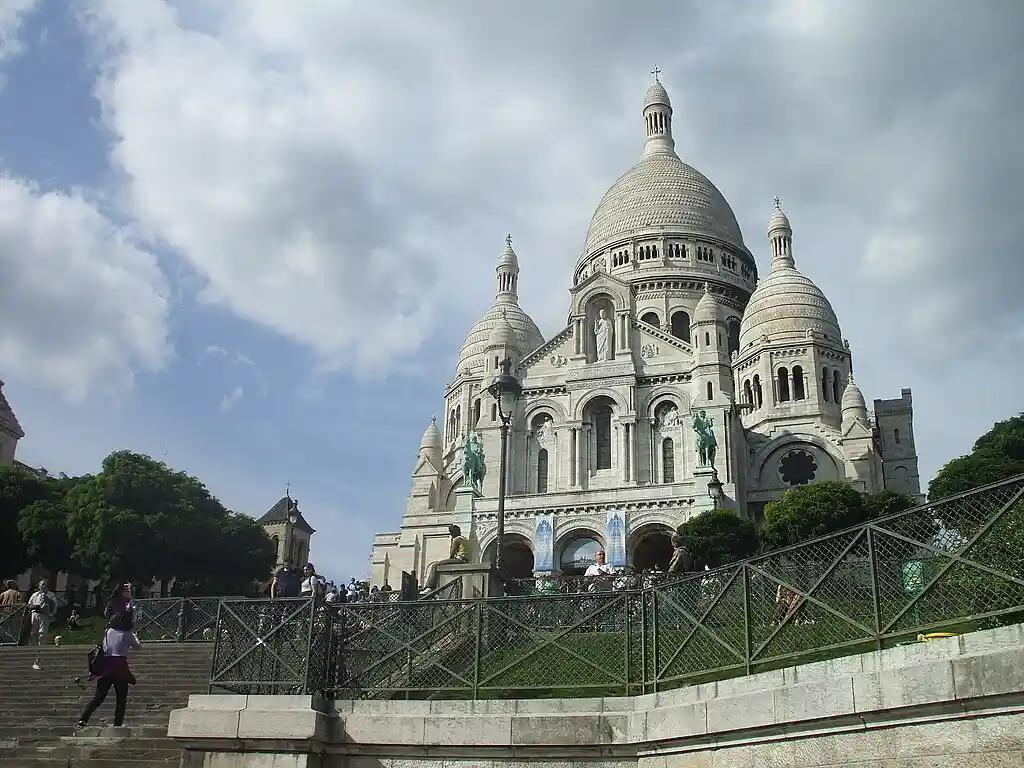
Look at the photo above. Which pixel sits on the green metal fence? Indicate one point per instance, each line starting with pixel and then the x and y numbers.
pixel 12 622
pixel 176 619
pixel 955 565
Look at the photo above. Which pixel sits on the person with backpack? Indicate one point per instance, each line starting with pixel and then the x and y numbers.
pixel 108 662
pixel 313 585
pixel 43 607
pixel 287 581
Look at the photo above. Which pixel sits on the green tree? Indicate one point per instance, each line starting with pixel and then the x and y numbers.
pixel 718 537
pixel 19 488
pixel 43 526
pixel 807 511
pixel 878 505
pixel 997 455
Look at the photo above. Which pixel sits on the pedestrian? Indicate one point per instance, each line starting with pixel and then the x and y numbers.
pixel 312 584
pixel 43 607
pixel 11 595
pixel 287 581
pixel 112 670
pixel 120 602
pixel 682 561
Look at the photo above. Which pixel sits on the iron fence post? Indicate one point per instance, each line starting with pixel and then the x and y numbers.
pixel 745 575
pixel 216 647
pixel 876 600
pixel 625 640
pixel 179 634
pixel 478 612
pixel 307 688
pixel 654 642
pixel 643 641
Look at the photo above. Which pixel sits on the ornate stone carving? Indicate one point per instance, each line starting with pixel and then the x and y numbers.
pixel 546 433
pixel 603 336
pixel 648 351
pixel 559 360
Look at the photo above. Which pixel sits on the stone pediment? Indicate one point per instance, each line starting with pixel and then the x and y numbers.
pixel 550 358
pixel 600 282
pixel 424 468
pixel 653 345
pixel 857 431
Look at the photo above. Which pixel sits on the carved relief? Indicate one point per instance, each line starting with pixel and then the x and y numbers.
pixel 559 360
pixel 546 433
pixel 648 351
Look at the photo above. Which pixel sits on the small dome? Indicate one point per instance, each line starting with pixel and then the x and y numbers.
pixel 508 256
pixel 431 437
pixel 657 94
pixel 502 334
pixel 853 405
pixel 707 308
pixel 528 336
pixel 779 222
pixel 786 304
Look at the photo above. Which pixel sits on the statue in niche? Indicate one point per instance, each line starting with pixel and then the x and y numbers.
pixel 707 444
pixel 669 418
pixel 546 432
pixel 474 468
pixel 603 336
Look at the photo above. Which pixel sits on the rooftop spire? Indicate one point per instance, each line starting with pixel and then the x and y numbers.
pixel 508 273
pixel 658 118
pixel 780 235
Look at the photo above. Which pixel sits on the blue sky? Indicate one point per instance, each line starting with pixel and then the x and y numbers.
pixel 248 236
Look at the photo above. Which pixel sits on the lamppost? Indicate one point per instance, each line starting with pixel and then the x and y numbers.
pixel 505 389
pixel 293 518
pixel 715 490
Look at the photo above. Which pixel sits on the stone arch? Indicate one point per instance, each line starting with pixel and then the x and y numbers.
pixel 649 545
pixel 553 407
pixel 621 407
pixel 518 555
pixel 616 293
pixel 667 392
pixel 827 464
pixel 576 544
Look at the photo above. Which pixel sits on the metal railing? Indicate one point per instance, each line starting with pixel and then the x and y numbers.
pixel 954 565
pixel 12 623
pixel 176 619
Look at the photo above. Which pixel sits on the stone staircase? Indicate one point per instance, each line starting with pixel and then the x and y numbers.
pixel 39 710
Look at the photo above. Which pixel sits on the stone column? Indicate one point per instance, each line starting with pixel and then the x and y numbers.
pixel 574 450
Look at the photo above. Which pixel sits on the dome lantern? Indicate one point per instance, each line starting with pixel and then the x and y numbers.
pixel 780 235
pixel 508 273
pixel 853 406
pixel 658 119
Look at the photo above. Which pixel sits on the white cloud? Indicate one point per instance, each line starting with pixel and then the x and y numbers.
pixel 12 16
pixel 232 399
pixel 83 307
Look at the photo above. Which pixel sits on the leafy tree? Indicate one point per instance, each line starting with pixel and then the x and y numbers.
pixel 19 488
pixel 997 455
pixel 44 530
pixel 717 537
pixel 878 505
pixel 807 511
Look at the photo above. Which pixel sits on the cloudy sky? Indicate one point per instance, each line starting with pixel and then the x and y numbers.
pixel 248 236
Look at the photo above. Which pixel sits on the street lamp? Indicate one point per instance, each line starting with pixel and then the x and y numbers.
pixel 715 490
pixel 505 389
pixel 289 534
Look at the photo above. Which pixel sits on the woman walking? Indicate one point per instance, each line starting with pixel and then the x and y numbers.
pixel 113 670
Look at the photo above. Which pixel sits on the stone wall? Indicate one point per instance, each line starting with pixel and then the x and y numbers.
pixel 954 702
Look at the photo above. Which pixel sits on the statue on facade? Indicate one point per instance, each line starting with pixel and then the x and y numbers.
pixel 603 336
pixel 474 469
pixel 707 444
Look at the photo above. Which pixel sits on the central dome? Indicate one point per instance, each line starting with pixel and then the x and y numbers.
pixel 662 194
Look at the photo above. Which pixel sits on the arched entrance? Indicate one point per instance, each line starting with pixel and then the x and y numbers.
pixel 518 556
pixel 651 547
pixel 578 554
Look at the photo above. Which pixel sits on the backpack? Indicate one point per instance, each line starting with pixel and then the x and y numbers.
pixel 96 658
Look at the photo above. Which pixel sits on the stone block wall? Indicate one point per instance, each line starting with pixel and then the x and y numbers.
pixel 954 702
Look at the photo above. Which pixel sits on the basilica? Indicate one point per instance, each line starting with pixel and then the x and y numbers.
pixel 681 382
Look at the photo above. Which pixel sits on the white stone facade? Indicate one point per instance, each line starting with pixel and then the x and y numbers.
pixel 667 320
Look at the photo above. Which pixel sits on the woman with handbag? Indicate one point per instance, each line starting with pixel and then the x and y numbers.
pixel 110 668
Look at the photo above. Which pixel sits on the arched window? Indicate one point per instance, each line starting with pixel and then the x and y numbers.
pixel 277 546
pixel 758 395
pixel 603 436
pixel 681 325
pixel 476 412
pixel 651 318
pixel 300 554
pixel 733 333
pixel 782 377
pixel 494 411
pixel 824 384
pixel 542 471
pixel 748 393
pixel 896 436
pixel 798 383
pixel 711 391
pixel 668 461
pixel 458 419
pixel 836 396
pixel 707 339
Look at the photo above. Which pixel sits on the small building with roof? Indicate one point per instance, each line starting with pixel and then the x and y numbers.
pixel 289 530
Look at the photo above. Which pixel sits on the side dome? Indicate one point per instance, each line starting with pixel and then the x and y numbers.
pixel 706 310
pixel 786 304
pixel 503 334
pixel 853 405
pixel 431 437
pixel 662 194
pixel 527 334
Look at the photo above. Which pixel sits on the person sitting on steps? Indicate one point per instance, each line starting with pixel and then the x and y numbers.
pixel 458 554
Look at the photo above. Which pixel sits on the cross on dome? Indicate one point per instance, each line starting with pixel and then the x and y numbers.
pixel 656 72
pixel 508 240
pixel 778 204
